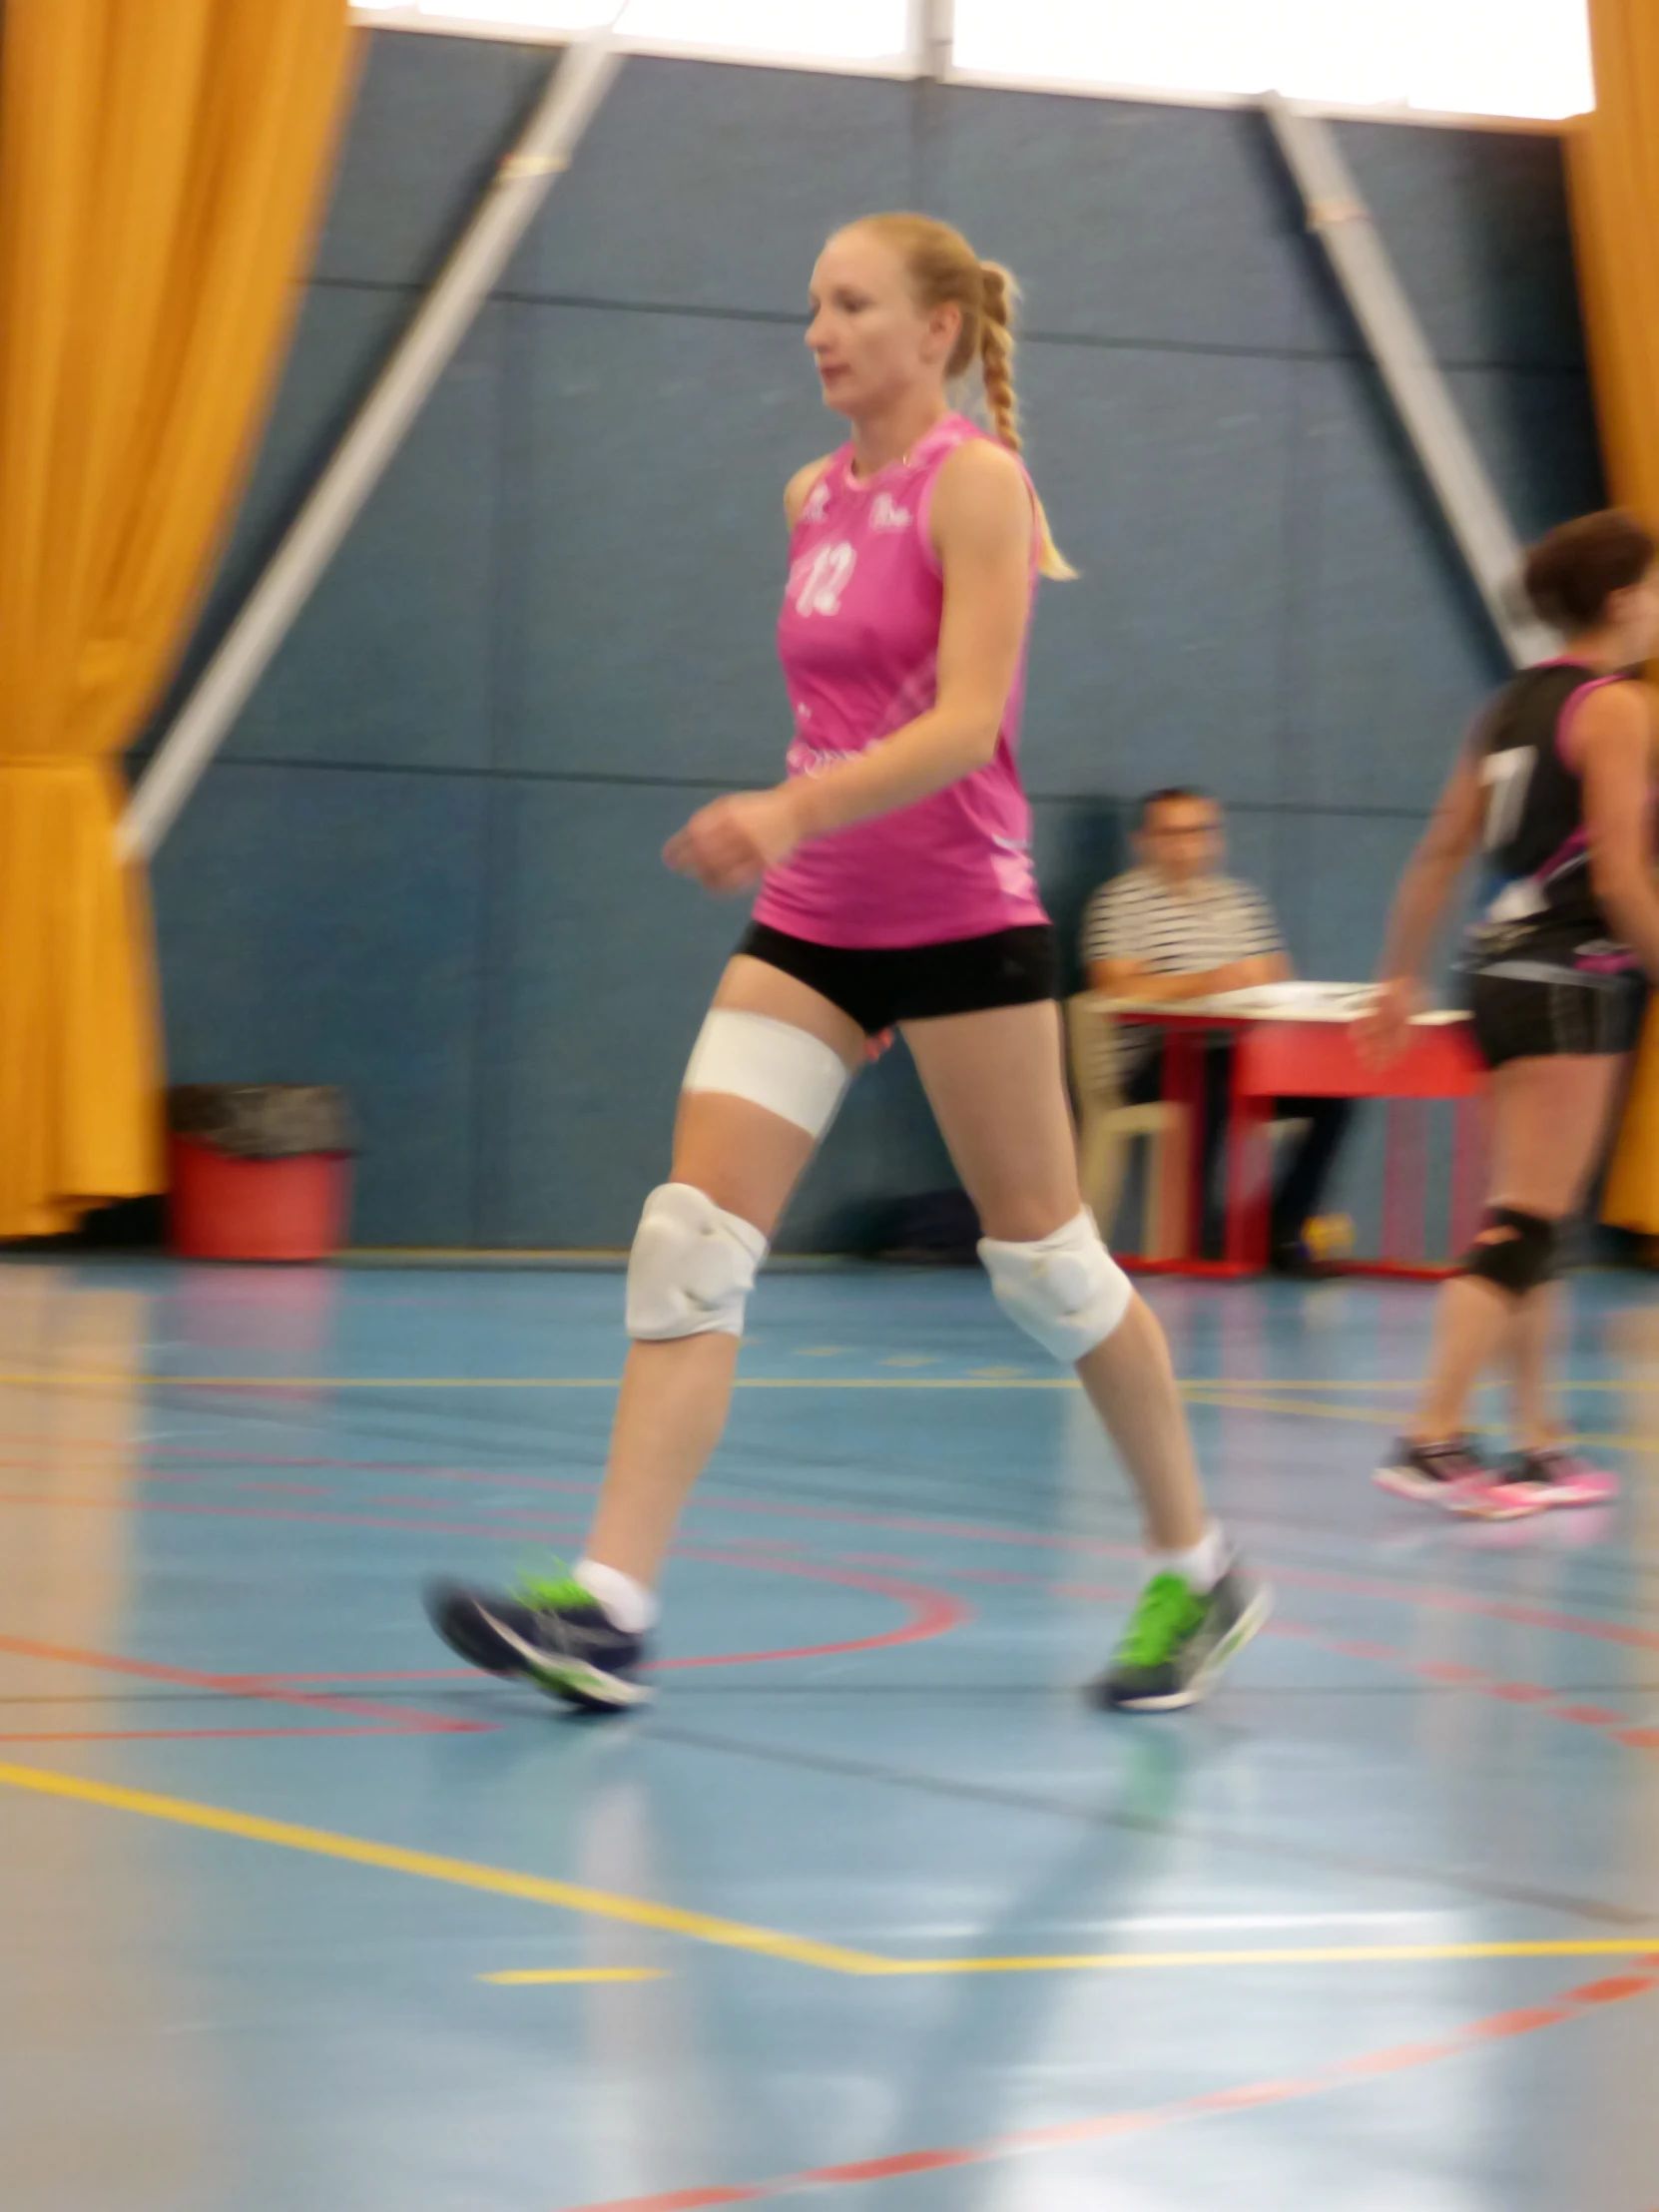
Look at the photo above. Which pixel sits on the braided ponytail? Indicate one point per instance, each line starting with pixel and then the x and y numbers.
pixel 945 271
pixel 997 294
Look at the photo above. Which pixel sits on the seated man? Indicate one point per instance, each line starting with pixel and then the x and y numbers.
pixel 1176 927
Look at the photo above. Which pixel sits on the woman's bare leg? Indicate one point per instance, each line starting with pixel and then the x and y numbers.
pixel 995 1083
pixel 1549 1117
pixel 675 1395
pixel 1531 1394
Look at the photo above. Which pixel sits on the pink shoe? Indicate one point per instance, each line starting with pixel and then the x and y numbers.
pixel 1451 1474
pixel 1554 1476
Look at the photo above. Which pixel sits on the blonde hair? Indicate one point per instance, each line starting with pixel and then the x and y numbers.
pixel 945 271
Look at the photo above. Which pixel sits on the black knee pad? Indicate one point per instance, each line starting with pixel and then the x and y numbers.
pixel 1514 1250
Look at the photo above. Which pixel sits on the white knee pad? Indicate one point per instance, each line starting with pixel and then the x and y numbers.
pixel 771 1063
pixel 691 1266
pixel 1066 1290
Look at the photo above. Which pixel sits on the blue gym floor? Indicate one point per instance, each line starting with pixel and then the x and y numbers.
pixel 298 1916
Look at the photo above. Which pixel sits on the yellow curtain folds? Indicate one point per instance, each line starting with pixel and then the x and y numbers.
pixel 1613 170
pixel 161 166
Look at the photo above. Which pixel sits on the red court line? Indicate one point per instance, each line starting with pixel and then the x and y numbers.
pixel 310 1515
pixel 1341 2073
pixel 195 1735
pixel 935 1613
pixel 1340 1585
pixel 402 1719
pixel 422 1499
pixel 1010 1538
pixel 1445 1671
pixel 1312 1578
pixel 1462 1601
pixel 384 1674
pixel 931 1612
pixel 1019 1538
pixel 968 1532
pixel 1553 1702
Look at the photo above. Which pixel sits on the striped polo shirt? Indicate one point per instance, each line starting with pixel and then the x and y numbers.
pixel 1204 924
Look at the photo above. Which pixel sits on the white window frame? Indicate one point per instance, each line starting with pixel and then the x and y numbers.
pixel 930 35
pixel 901 66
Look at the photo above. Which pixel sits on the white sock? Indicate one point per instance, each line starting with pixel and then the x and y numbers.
pixel 1202 1567
pixel 629 1604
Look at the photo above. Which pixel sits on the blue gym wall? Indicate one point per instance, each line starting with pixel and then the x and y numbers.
pixel 425 864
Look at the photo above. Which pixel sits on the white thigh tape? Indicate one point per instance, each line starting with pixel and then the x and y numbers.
pixel 771 1065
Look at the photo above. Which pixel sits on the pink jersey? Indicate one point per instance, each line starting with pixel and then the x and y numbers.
pixel 859 639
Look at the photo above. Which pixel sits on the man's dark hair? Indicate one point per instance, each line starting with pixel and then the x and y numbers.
pixel 1167 796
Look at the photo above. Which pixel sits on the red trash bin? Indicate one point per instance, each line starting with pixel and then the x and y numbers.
pixel 258 1171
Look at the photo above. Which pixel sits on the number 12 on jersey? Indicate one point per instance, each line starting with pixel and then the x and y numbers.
pixel 817 581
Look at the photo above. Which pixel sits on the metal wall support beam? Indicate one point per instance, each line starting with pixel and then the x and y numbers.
pixel 933 38
pixel 1472 508
pixel 521 182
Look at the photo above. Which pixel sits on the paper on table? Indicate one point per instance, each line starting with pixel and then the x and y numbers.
pixel 1297 1000
pixel 1331 1001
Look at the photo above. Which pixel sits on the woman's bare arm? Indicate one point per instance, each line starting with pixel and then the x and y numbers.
pixel 1432 871
pixel 1614 731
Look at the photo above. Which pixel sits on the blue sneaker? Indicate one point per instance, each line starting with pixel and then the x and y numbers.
pixel 553 1634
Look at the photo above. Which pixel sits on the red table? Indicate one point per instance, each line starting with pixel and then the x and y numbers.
pixel 1310 1051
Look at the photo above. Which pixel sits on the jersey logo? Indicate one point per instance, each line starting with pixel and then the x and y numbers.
pixel 818 502
pixel 887 514
pixel 818 579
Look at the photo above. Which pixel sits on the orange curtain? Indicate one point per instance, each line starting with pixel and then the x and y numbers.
pixel 1613 171
pixel 161 166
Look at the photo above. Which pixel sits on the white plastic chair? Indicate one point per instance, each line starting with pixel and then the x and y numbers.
pixel 1107 1128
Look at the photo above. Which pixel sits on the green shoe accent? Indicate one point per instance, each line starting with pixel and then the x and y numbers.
pixel 1180 1640
pixel 1168 1613
pixel 554 1593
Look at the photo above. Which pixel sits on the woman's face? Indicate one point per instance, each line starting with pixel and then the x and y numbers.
pixel 871 341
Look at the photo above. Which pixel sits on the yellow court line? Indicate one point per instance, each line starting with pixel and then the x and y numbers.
pixel 531 1381
pixel 525 1977
pixel 1118 1962
pixel 1334 1956
pixel 569 1896
pixel 1252 1384
pixel 1298 1383
pixel 1201 1391
pixel 1224 1395
pixel 1237 1400
pixel 1359 1954
pixel 1246 1402
pixel 738 1935
pixel 980 1381
pixel 145 1381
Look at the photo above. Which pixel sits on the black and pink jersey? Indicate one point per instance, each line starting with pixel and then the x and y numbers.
pixel 1540 885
